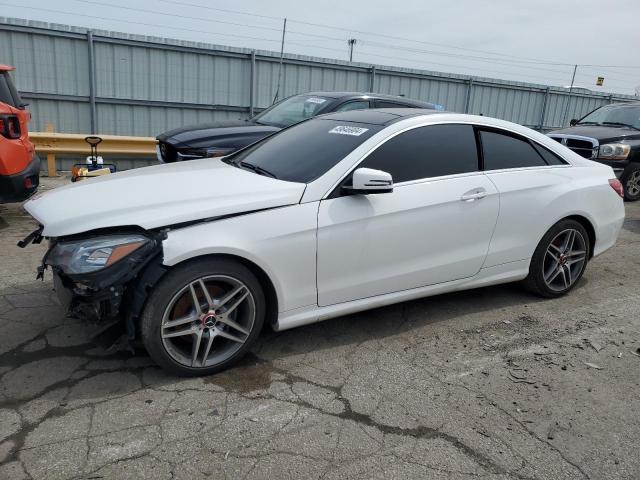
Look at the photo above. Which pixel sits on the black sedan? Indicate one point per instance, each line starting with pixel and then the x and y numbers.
pixel 222 138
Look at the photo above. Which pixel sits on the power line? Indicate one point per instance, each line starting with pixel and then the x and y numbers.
pixel 188 17
pixel 171 27
pixel 427 64
pixel 380 35
pixel 381 45
pixel 455 55
pixel 187 4
pixel 376 34
pixel 462 67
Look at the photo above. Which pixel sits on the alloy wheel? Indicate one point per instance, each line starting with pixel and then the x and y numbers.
pixel 633 184
pixel 564 260
pixel 208 321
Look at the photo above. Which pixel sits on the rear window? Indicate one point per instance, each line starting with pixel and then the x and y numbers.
pixel 504 151
pixel 549 157
pixel 308 150
pixel 388 104
pixel 8 93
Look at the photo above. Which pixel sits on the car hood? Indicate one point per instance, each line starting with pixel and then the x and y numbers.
pixel 158 196
pixel 601 133
pixel 213 134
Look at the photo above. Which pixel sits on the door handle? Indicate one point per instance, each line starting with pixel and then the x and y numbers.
pixel 477 195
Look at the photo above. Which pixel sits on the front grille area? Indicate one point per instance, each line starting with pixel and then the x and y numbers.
pixel 579 144
pixel 585 147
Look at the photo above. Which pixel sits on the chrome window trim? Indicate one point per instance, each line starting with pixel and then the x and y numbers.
pixel 454 175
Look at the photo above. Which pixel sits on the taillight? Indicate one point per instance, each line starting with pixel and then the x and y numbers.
pixel 617 186
pixel 10 126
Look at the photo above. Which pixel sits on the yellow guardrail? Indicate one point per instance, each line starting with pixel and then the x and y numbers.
pixel 51 143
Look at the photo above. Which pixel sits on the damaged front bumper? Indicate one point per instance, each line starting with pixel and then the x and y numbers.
pixel 109 296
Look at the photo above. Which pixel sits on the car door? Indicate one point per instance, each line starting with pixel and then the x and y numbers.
pixel 528 177
pixel 434 227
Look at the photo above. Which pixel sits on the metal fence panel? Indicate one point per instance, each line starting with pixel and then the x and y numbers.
pixel 147 85
pixel 296 78
pixel 66 117
pixel 516 105
pixel 141 73
pixel 46 64
pixel 143 121
pixel 441 91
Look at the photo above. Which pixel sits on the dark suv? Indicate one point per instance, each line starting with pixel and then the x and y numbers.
pixel 222 138
pixel 609 135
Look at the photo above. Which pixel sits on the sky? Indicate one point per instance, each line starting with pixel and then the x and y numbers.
pixel 530 41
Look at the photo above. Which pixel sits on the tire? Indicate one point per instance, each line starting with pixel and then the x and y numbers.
pixel 219 327
pixel 554 270
pixel 631 183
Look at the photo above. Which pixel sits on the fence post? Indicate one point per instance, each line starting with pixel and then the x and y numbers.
pixel 51 158
pixel 92 83
pixel 252 82
pixel 543 114
pixel 468 100
pixel 372 79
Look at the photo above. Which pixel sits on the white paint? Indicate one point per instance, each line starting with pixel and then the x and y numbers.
pixel 329 256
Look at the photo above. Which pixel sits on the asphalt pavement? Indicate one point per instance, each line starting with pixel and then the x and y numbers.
pixel 491 383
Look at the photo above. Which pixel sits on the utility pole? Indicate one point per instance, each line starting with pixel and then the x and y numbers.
pixel 284 30
pixel 351 42
pixel 573 78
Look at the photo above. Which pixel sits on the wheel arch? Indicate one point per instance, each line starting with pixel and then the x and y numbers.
pixel 588 226
pixel 270 292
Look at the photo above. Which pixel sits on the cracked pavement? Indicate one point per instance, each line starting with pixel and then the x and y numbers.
pixel 491 383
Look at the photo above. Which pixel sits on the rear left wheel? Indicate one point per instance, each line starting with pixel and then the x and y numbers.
pixel 202 317
pixel 559 260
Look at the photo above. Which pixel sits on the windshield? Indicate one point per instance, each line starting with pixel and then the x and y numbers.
pixel 8 93
pixel 292 110
pixel 615 115
pixel 305 151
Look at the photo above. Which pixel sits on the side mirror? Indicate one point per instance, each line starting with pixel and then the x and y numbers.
pixel 368 180
pixel 573 121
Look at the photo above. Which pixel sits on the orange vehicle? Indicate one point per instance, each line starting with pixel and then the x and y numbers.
pixel 19 165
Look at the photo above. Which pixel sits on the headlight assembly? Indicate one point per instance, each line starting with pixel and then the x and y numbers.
pixel 90 255
pixel 614 151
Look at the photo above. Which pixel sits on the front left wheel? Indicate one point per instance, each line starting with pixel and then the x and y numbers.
pixel 631 182
pixel 203 316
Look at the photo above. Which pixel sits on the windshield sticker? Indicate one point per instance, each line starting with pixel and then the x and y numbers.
pixel 316 100
pixel 345 130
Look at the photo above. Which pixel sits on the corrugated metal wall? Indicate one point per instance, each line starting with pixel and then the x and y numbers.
pixel 144 86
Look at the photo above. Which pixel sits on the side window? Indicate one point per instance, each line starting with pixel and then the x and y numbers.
pixel 504 151
pixel 388 104
pixel 425 152
pixel 549 157
pixel 355 105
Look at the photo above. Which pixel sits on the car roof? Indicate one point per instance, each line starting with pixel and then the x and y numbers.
pixel 383 96
pixel 631 103
pixel 378 116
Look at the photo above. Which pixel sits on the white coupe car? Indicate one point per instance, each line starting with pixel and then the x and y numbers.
pixel 334 215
